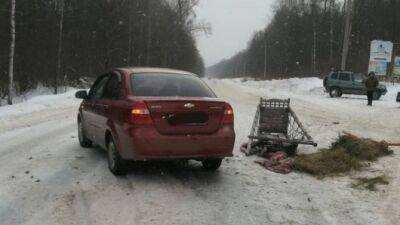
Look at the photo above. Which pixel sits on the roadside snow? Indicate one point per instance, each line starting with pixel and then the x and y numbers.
pixel 37 100
pixel 285 87
pixel 310 87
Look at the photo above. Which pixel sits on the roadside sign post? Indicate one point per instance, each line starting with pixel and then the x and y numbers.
pixel 381 54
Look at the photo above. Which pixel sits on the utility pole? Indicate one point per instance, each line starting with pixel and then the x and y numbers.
pixel 331 7
pixel 347 33
pixel 314 56
pixel 12 50
pixel 265 56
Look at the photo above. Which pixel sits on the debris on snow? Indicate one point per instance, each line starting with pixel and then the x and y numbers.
pixel 348 153
pixel 370 183
pixel 277 162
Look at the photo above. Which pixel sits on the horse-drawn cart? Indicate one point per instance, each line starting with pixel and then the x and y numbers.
pixel 276 126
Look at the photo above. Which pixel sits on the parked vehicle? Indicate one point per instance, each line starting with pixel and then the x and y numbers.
pixel 398 97
pixel 155 114
pixel 344 82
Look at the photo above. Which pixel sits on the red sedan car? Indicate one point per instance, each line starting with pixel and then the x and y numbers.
pixel 155 114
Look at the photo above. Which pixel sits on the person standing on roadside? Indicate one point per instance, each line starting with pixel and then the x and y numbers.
pixel 371 84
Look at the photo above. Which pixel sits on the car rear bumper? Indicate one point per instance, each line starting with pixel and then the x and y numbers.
pixel 146 143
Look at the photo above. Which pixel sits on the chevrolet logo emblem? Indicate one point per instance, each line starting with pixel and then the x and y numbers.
pixel 188 105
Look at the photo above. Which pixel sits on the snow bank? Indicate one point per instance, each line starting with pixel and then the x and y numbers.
pixel 38 91
pixel 37 102
pixel 299 86
pixel 305 87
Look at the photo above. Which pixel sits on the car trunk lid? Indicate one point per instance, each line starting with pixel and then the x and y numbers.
pixel 186 116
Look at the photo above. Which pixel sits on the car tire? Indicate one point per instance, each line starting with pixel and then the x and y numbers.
pixel 115 163
pixel 335 92
pixel 211 164
pixel 83 140
pixel 377 95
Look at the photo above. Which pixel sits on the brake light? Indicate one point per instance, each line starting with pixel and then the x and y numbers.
pixel 228 115
pixel 140 114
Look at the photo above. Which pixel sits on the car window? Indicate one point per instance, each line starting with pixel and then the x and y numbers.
pixel 169 84
pixel 112 89
pixel 334 76
pixel 345 76
pixel 97 90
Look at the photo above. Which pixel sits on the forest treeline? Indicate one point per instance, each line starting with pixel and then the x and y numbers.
pixel 60 41
pixel 305 38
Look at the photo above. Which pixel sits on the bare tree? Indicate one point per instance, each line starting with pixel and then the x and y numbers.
pixel 149 32
pixel 60 6
pixel 187 16
pixel 130 41
pixel 149 39
pixel 12 51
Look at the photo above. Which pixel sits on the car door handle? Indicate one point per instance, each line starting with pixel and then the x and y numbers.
pixel 101 106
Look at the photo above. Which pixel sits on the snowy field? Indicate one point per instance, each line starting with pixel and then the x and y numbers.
pixel 46 178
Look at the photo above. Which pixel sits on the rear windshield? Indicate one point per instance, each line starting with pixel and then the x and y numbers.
pixel 169 84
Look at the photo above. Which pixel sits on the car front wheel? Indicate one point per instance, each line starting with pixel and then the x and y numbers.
pixel 115 163
pixel 211 164
pixel 83 140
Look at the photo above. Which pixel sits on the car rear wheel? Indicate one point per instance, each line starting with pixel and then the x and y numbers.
pixel 335 92
pixel 83 140
pixel 211 164
pixel 377 95
pixel 115 163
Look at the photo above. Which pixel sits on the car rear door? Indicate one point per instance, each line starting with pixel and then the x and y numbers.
pixel 89 109
pixel 109 107
pixel 97 109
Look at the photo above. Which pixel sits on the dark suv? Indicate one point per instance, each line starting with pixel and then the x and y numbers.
pixel 344 82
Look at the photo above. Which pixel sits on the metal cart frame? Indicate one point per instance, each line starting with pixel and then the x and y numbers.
pixel 276 124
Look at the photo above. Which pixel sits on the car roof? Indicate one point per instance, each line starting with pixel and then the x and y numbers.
pixel 342 71
pixel 134 70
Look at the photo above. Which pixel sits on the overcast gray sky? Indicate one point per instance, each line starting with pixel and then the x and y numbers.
pixel 233 23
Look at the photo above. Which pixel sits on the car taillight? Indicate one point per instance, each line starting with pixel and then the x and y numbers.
pixel 228 115
pixel 140 114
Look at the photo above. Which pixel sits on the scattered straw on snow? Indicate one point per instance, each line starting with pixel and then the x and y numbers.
pixel 348 153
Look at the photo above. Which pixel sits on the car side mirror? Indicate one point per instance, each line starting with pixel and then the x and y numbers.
pixel 81 94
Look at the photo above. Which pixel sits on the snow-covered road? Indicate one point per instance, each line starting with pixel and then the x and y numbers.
pixel 46 178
